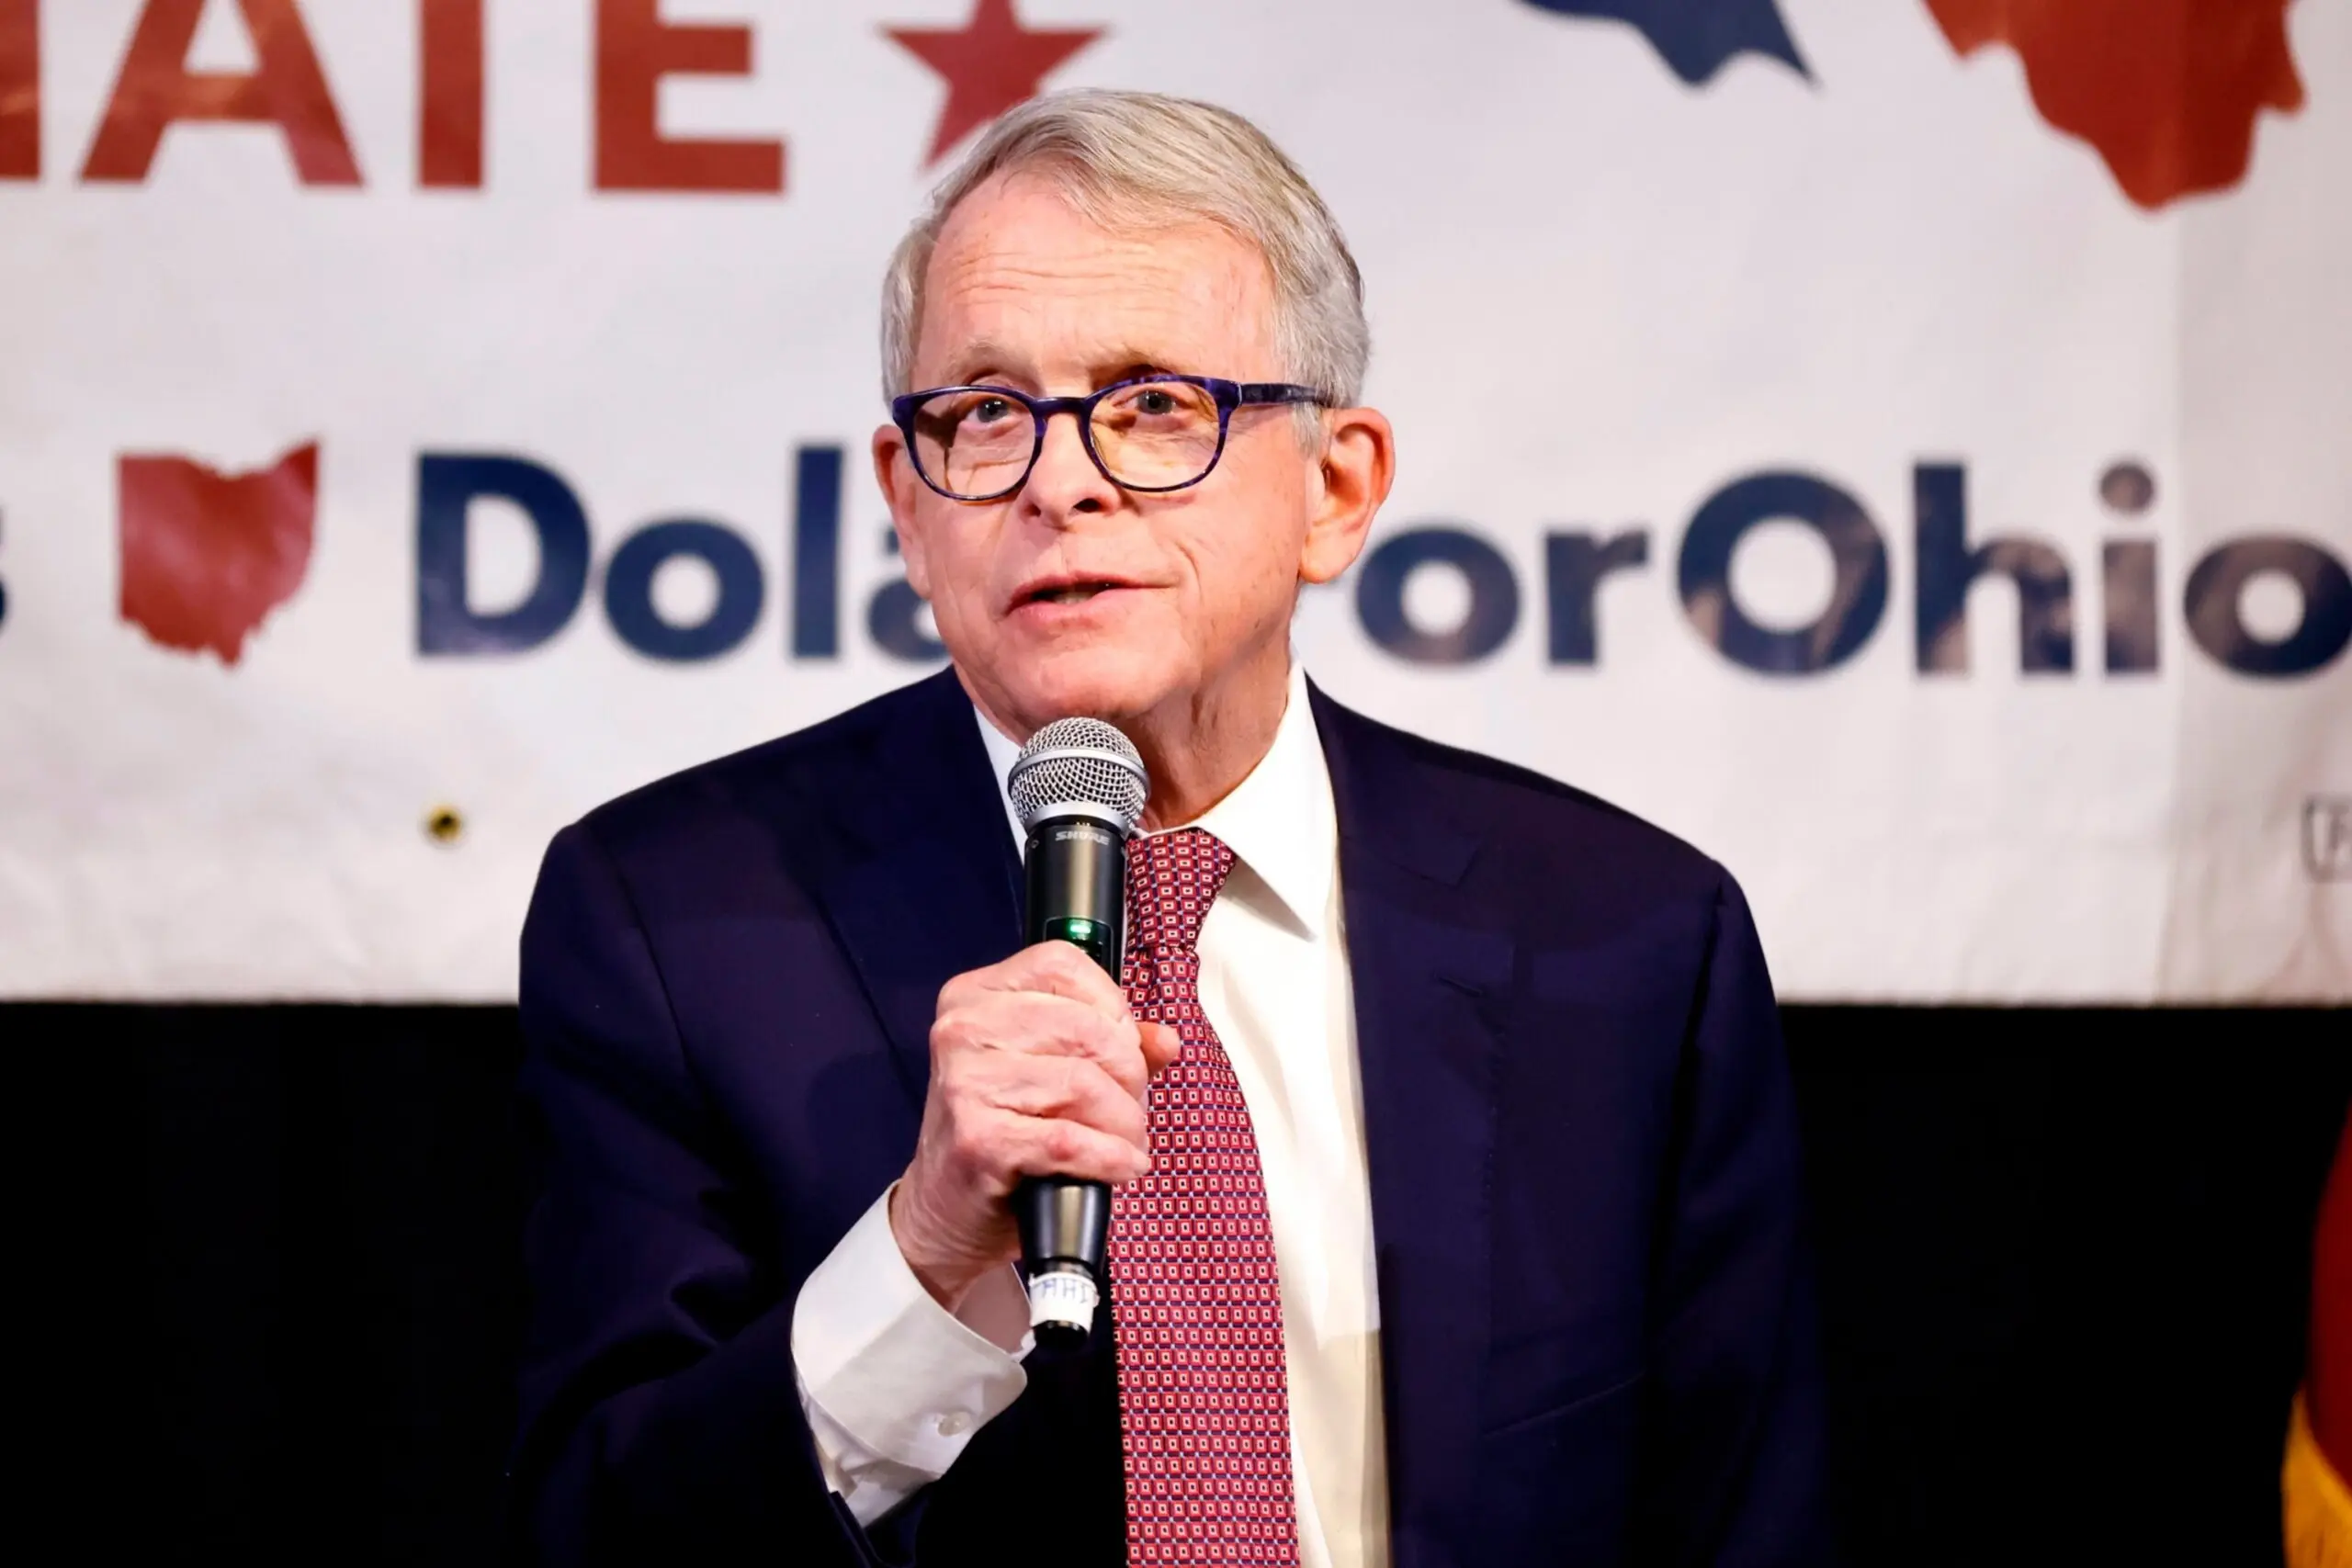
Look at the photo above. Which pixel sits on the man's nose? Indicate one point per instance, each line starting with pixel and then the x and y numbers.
pixel 1065 485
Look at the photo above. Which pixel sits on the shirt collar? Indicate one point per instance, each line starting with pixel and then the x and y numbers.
pixel 1279 821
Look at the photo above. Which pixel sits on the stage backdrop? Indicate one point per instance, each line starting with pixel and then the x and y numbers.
pixel 1905 448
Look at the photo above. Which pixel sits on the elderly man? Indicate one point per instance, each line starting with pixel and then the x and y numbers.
pixel 1455 1207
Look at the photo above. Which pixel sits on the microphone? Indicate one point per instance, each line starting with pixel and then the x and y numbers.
pixel 1079 788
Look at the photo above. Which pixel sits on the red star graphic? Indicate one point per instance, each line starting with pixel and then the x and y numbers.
pixel 991 64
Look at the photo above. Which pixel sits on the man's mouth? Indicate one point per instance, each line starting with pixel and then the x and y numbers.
pixel 1077 592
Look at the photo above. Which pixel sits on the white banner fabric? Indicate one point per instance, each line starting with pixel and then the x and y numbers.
pixel 1905 449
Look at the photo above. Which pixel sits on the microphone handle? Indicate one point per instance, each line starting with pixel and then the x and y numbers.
pixel 1077 873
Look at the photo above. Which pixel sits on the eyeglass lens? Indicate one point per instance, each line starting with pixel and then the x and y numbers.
pixel 1153 435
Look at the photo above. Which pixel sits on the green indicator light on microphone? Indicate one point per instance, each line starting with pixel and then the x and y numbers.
pixel 1093 936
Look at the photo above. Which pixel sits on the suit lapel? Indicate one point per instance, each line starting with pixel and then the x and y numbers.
pixel 1430 974
pixel 916 867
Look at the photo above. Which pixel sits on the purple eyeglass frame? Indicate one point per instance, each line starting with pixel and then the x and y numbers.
pixel 1229 396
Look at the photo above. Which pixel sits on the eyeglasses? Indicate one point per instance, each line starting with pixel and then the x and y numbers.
pixel 1153 433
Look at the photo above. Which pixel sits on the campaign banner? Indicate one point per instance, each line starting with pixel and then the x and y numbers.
pixel 1904 449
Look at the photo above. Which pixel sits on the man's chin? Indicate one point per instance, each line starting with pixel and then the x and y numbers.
pixel 1109 685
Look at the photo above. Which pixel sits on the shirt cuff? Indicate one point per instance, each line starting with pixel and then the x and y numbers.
pixel 894 1385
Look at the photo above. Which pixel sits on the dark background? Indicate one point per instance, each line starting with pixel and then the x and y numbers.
pixel 266 1262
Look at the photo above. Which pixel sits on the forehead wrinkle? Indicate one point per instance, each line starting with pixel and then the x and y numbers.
pixel 1057 274
pixel 1173 341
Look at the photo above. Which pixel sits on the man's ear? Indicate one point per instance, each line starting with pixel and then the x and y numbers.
pixel 1358 466
pixel 896 476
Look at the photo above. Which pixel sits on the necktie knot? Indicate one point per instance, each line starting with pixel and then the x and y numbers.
pixel 1172 878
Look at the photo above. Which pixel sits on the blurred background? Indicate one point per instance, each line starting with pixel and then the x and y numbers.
pixel 1901 449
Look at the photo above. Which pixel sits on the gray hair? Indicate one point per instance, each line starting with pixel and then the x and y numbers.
pixel 1124 160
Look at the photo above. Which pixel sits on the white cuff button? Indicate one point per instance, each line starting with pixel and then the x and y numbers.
pixel 954 1424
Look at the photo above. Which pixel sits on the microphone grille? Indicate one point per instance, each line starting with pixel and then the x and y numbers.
pixel 1078 762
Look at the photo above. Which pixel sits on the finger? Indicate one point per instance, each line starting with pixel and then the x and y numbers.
pixel 1040 1146
pixel 1070 1089
pixel 1161 1046
pixel 1066 1087
pixel 1057 968
pixel 1033 1024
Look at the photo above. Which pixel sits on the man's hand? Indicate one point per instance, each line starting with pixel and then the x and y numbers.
pixel 1038 1068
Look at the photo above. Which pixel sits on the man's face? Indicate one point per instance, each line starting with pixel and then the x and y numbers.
pixel 1071 595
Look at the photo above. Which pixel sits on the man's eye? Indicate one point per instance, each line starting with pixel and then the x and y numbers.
pixel 988 411
pixel 1156 403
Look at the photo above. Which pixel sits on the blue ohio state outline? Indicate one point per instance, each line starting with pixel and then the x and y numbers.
pixel 1696 38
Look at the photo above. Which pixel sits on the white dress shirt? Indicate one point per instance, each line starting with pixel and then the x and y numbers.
pixel 895 1385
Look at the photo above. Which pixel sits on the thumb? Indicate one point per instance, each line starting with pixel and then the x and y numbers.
pixel 1161 1046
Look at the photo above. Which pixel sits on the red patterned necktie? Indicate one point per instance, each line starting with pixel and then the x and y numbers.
pixel 1203 1393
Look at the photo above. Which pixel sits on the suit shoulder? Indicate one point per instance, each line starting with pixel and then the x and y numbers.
pixel 1550 823
pixel 758 780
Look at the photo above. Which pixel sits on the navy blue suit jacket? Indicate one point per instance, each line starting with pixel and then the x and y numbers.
pixel 1596 1326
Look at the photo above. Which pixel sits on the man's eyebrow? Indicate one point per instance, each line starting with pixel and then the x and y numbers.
pixel 1125 364
pixel 982 357
pixel 986 359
